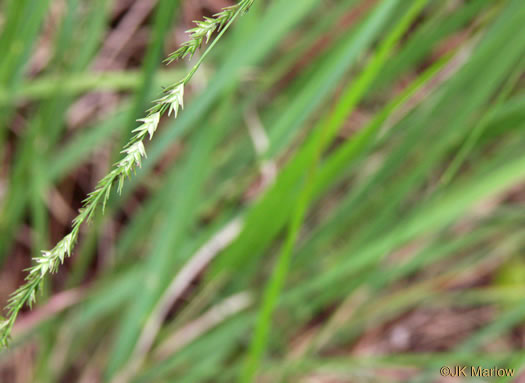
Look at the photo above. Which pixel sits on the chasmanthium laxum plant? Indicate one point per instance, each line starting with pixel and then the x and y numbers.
pixel 133 152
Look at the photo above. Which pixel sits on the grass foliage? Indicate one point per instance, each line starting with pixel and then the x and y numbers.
pixel 341 198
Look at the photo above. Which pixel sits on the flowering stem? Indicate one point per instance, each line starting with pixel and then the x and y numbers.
pixel 133 153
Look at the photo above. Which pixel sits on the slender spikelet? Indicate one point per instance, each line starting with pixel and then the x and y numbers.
pixel 205 28
pixel 133 153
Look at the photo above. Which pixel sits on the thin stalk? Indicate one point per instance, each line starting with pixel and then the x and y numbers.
pixel 479 129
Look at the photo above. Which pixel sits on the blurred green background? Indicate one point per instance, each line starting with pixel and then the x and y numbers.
pixel 342 199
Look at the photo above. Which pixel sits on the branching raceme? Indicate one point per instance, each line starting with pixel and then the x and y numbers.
pixel 133 153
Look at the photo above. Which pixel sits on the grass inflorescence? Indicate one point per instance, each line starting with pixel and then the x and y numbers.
pixel 348 178
pixel 133 153
pixel 205 29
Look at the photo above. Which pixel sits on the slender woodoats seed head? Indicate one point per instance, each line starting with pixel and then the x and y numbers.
pixel 133 152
